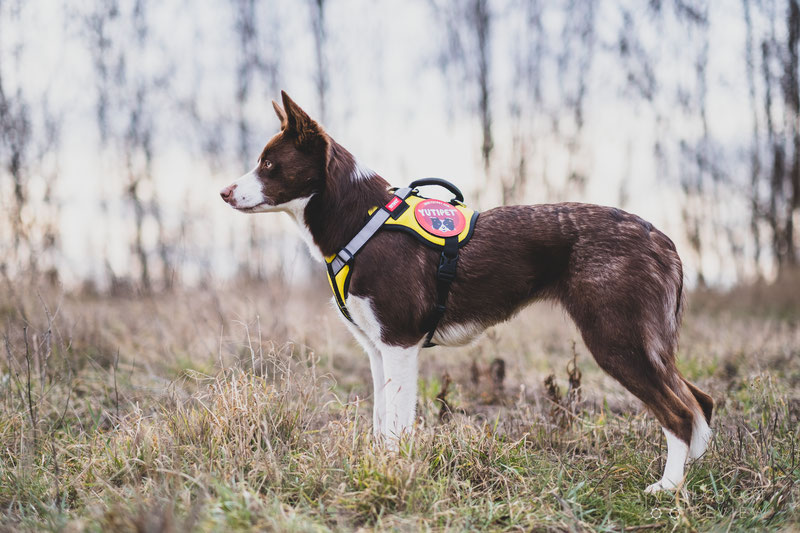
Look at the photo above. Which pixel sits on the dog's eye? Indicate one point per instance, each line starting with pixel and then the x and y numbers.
pixel 267 164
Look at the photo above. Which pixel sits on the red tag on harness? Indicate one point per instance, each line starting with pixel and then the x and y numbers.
pixel 439 218
pixel 393 203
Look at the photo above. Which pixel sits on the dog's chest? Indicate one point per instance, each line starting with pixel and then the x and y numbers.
pixel 365 318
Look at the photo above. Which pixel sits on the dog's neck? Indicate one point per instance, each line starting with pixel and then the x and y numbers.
pixel 334 215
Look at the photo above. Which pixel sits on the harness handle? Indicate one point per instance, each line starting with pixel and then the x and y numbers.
pixel 441 183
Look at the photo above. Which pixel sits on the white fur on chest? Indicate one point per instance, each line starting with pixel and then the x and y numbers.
pixel 364 317
pixel 296 209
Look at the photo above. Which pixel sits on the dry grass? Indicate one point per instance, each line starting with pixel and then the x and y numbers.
pixel 246 409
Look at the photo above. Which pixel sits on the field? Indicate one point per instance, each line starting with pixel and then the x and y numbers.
pixel 249 408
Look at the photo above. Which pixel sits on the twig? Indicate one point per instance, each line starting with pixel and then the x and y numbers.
pixel 56 475
pixel 31 409
pixel 116 390
pixel 603 478
pixel 578 523
pixel 64 412
pixel 445 412
pixel 12 367
pixel 47 342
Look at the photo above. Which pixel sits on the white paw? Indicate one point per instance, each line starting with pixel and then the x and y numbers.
pixel 701 436
pixel 661 485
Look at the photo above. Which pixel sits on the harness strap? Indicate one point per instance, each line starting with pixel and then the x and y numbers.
pixel 346 254
pixel 445 274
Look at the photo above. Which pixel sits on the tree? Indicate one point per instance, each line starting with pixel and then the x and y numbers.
pixel 29 143
pixel 15 140
pixel 118 42
pixel 319 31
pixel 775 157
pixel 252 63
pixel 468 53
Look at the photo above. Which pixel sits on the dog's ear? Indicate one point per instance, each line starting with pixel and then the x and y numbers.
pixel 298 123
pixel 281 114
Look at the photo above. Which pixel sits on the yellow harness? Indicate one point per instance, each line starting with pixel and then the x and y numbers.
pixel 440 225
pixel 408 222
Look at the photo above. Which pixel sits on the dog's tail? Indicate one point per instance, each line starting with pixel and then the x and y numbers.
pixel 704 400
pixel 681 298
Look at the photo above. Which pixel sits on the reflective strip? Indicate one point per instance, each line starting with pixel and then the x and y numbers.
pixel 356 243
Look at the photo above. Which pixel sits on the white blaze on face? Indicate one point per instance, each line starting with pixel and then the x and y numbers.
pixel 248 192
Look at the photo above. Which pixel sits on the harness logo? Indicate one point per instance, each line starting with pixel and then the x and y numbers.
pixel 439 218
pixel 393 203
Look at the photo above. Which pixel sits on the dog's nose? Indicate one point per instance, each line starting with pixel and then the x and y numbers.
pixel 227 193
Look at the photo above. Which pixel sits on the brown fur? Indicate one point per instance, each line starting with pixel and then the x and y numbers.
pixel 618 277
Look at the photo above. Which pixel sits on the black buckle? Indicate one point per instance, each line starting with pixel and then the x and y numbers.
pixel 345 251
pixel 447 268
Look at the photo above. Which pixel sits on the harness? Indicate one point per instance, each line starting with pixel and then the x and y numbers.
pixel 443 226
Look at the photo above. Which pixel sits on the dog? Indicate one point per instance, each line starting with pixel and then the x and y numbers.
pixel 618 277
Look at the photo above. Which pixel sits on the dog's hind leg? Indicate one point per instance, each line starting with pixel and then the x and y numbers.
pixel 678 417
pixel 630 322
pixel 400 390
pixel 683 408
pixel 643 369
pixel 677 422
pixel 663 391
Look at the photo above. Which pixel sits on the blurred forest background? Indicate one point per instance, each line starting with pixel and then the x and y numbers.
pixel 121 119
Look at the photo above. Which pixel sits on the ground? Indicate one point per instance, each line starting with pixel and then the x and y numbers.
pixel 249 408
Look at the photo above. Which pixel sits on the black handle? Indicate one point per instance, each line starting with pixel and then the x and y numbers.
pixel 441 183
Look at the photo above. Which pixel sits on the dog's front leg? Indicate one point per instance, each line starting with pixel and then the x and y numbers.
pixel 378 381
pixel 400 391
pixel 378 392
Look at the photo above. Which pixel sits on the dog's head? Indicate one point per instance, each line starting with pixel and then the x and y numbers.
pixel 291 165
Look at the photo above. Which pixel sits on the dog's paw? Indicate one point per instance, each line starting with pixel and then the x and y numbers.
pixel 660 486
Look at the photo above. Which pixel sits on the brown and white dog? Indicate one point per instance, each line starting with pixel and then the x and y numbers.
pixel 618 277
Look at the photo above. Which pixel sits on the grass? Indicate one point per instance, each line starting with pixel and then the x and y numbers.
pixel 250 410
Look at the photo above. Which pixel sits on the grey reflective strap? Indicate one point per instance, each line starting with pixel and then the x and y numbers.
pixel 377 220
pixel 403 192
pixel 361 238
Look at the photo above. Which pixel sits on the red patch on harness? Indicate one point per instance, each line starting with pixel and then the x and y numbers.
pixel 440 218
pixel 393 203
